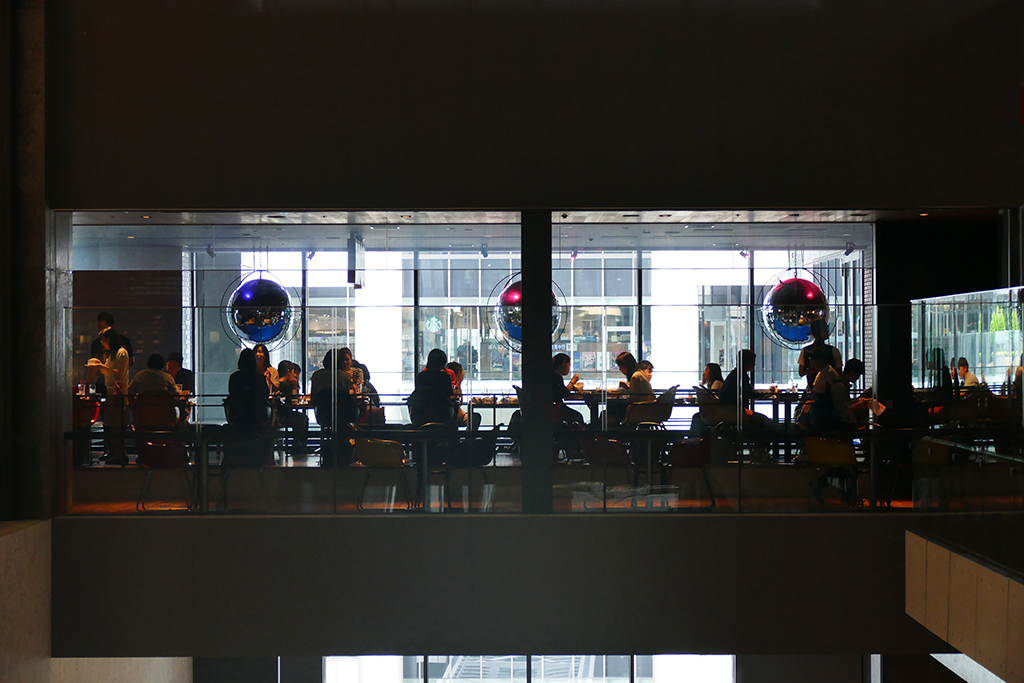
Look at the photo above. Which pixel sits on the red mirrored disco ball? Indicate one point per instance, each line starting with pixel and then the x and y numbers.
pixel 791 307
pixel 508 313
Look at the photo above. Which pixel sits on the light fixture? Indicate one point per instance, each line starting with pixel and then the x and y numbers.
pixel 310 254
pixel 574 254
pixel 924 214
pixel 146 217
pixel 210 252
pixel 483 250
pixel 850 246
pixel 743 253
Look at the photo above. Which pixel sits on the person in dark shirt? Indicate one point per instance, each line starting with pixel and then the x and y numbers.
pixel 729 391
pixel 431 400
pixel 734 387
pixel 288 386
pixel 559 391
pixel 184 378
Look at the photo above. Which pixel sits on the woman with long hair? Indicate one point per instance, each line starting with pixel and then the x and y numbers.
pixel 433 398
pixel 264 367
pixel 711 379
pixel 115 374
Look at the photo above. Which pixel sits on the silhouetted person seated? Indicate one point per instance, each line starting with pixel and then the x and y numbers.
pixel 153 378
pixel 288 387
pixel 820 332
pixel 834 408
pixel 461 417
pixel 183 377
pixel 559 391
pixel 965 377
pixel 433 396
pixel 335 409
pixel 738 390
pixel 248 412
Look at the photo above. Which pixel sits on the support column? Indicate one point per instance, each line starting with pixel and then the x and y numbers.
pixel 41 282
pixel 536 362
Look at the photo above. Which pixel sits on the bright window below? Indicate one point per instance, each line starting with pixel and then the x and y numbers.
pixel 544 669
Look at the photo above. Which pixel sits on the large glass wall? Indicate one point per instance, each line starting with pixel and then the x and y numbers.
pixel 680 290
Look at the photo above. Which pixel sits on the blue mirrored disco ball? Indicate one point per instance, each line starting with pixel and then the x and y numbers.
pixel 259 310
pixel 790 308
pixel 508 314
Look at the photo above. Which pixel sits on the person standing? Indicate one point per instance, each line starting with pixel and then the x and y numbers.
pixel 115 374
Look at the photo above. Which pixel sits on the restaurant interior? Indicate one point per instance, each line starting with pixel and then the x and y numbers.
pixel 680 289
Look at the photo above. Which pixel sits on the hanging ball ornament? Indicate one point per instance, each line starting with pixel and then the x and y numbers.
pixel 508 314
pixel 790 308
pixel 259 310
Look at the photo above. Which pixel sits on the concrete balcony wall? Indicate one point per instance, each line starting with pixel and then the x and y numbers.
pixel 976 609
pixel 223 586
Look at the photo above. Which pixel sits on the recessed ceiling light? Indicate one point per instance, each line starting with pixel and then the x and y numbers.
pixel 631 215
pixel 924 214
pixel 858 214
pixel 131 237
pixel 405 215
pixel 145 216
pixel 665 215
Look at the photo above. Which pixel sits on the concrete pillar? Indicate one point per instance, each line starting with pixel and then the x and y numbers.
pixel 39 261
pixel 537 391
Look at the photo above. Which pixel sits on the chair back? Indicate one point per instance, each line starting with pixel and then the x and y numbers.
pixel 247 408
pixel 332 407
pixel 646 412
pixel 605 452
pixel 690 453
pixel 85 410
pixel 928 452
pixel 829 452
pixel 161 454
pixel 154 410
pixel 379 453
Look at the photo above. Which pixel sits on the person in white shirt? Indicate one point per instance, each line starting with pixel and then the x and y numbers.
pixel 115 372
pixel 967 378
pixel 640 388
pixel 153 378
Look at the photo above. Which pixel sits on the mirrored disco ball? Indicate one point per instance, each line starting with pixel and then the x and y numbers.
pixel 259 310
pixel 790 308
pixel 508 314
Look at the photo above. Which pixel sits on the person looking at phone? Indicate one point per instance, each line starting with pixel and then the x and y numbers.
pixel 560 364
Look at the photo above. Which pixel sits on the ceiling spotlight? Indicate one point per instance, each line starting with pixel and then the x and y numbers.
pixel 743 254
pixel 850 246
pixel 210 252
pixel 483 250
pixel 146 217
pixel 574 254
pixel 310 254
